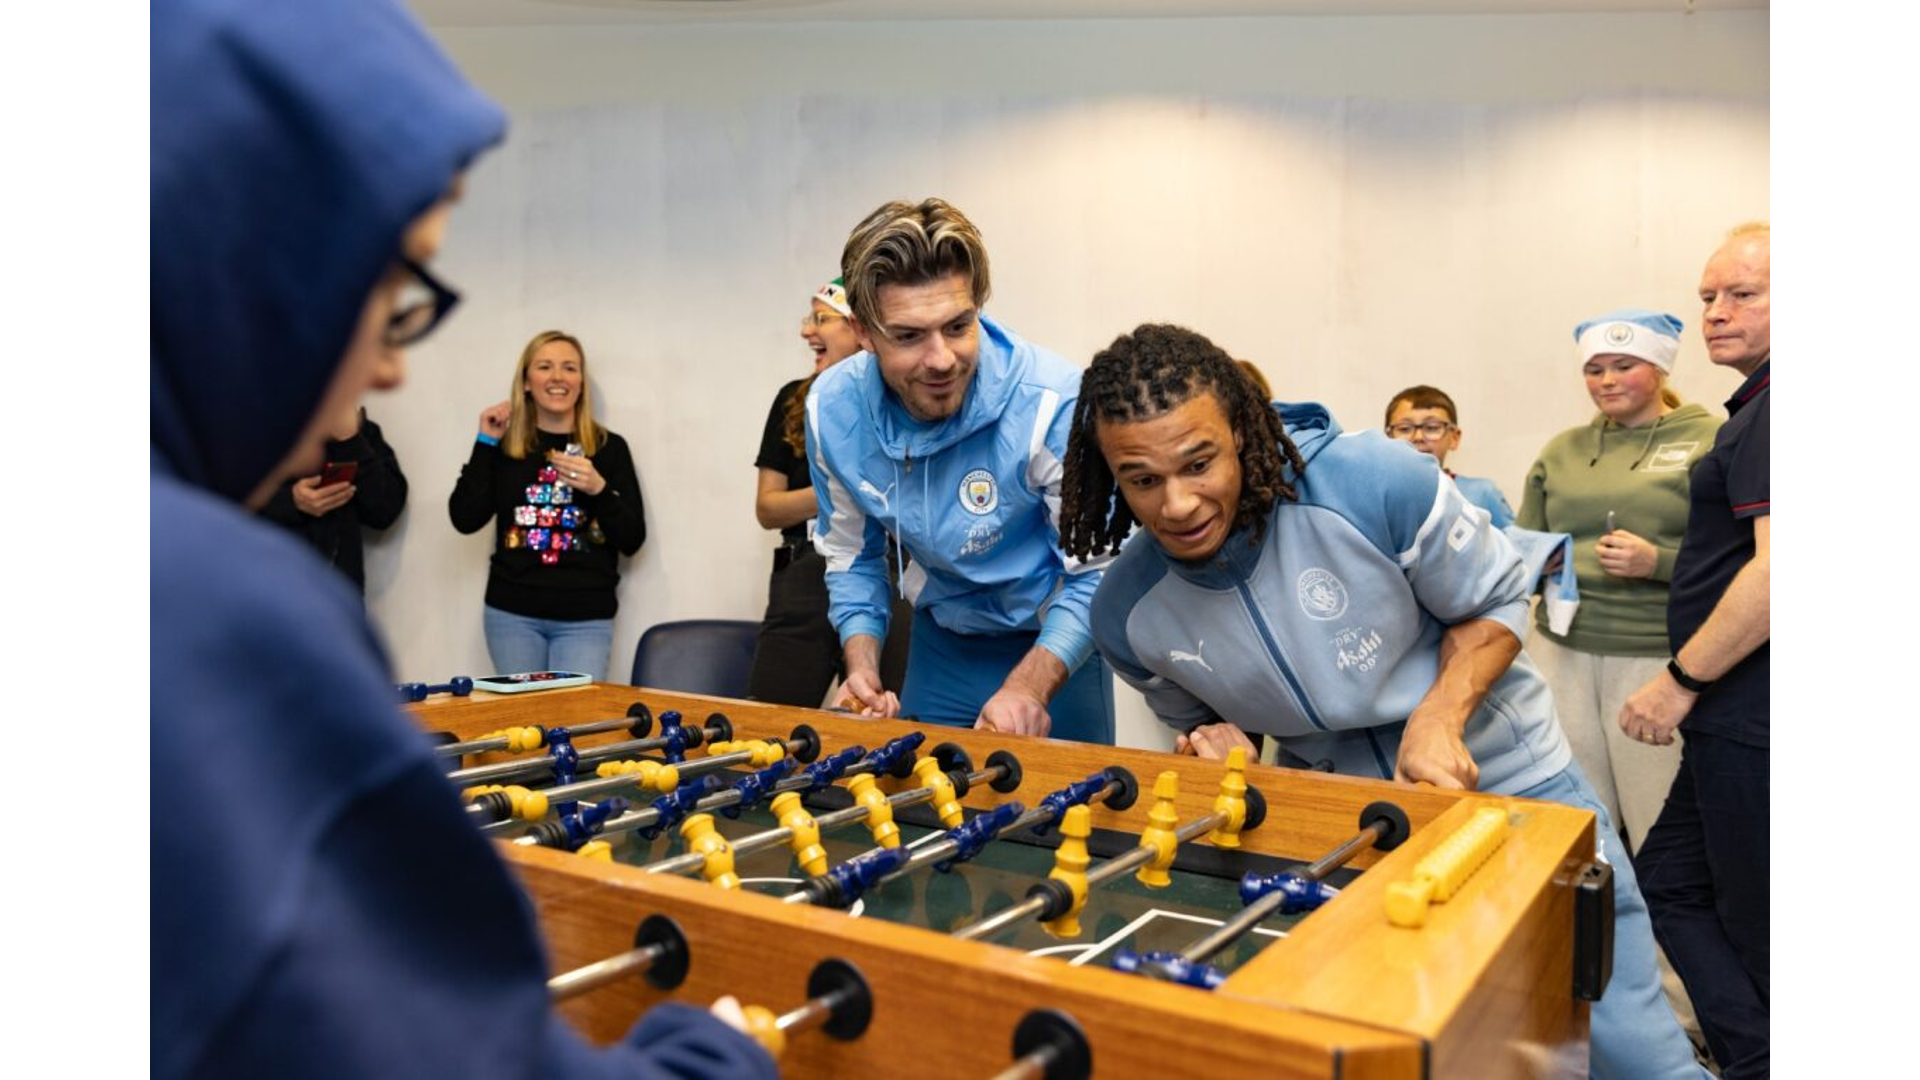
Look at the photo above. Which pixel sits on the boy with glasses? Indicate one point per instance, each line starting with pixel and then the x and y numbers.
pixel 1425 417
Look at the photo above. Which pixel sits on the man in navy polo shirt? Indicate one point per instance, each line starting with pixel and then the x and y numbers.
pixel 1703 867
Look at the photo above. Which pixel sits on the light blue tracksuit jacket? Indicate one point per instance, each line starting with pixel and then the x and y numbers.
pixel 975 499
pixel 1327 632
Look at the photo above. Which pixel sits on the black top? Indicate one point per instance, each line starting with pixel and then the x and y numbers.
pixel 554 547
pixel 380 492
pixel 1729 489
pixel 775 454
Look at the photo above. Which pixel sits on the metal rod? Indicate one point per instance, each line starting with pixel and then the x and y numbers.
pixel 1255 913
pixel 640 819
pixel 1106 871
pixel 684 864
pixel 940 849
pixel 812 1014
pixel 581 789
pixel 1002 919
pixel 500 828
pixel 1339 856
pixel 1120 864
pixel 1231 930
pixel 1031 1067
pixel 571 984
pixel 481 746
pixel 483 774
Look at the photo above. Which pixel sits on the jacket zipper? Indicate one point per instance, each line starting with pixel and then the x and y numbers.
pixel 1273 650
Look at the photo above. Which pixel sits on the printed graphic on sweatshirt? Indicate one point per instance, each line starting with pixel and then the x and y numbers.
pixel 1322 596
pixel 549 523
pixel 982 537
pixel 1356 648
pixel 1181 656
pixel 867 488
pixel 1671 457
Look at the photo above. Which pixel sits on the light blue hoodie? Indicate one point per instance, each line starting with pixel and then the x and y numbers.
pixel 1327 632
pixel 974 498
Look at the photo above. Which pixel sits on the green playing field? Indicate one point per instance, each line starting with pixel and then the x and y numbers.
pixel 1121 914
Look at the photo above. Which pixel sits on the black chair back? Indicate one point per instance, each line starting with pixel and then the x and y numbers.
pixel 697 656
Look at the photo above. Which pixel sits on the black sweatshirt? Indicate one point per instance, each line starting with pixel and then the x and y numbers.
pixel 554 547
pixel 380 492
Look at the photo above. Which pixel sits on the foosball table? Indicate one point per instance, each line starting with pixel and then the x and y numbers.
pixel 993 905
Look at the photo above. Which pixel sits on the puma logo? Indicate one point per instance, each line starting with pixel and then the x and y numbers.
pixel 1179 656
pixel 867 488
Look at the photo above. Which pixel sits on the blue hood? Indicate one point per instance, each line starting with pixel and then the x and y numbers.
pixel 291 145
pixel 1311 427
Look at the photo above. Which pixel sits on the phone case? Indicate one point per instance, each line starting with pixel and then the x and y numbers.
pixel 527 682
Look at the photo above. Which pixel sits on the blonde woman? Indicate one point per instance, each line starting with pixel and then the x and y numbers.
pixel 565 503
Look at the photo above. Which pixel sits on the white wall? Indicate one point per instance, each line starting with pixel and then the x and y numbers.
pixel 1356 204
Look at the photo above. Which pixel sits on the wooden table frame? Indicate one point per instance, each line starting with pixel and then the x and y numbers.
pixel 1483 990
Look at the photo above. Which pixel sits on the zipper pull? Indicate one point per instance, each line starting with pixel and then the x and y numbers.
pixel 909 463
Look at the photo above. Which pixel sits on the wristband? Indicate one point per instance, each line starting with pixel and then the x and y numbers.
pixel 1685 680
pixel 483 437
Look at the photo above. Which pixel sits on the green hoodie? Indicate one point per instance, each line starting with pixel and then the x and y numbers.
pixel 1640 474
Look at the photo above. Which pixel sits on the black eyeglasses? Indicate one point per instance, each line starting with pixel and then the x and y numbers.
pixel 423 302
pixel 1432 429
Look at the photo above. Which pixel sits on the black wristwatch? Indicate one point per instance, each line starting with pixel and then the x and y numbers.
pixel 1680 676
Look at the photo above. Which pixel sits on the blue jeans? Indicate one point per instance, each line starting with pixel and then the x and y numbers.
pixel 1635 1034
pixel 949 676
pixel 517 643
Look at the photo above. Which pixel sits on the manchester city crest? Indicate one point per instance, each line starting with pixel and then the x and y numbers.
pixel 1619 333
pixel 1322 596
pixel 978 493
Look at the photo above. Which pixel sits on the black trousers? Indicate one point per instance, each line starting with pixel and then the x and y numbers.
pixel 1703 869
pixel 798 654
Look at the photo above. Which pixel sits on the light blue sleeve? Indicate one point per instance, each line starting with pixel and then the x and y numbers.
pixel 1065 629
pixel 853 544
pixel 1560 591
pixel 1461 568
pixel 1487 496
pixel 1501 510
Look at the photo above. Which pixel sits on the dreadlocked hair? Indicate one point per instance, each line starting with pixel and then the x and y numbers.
pixel 1143 375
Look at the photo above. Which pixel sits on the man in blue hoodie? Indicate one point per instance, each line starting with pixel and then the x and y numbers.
pixel 320 905
pixel 1338 592
pixel 944 439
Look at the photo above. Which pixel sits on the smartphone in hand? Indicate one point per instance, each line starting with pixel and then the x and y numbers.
pixel 338 472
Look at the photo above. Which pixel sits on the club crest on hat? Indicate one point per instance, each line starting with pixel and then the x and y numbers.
pixel 1619 333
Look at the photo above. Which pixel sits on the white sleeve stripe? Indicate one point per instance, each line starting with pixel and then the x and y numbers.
pixel 1043 469
pixel 846 526
pixel 912 580
pixel 1412 554
pixel 1044 473
pixel 846 529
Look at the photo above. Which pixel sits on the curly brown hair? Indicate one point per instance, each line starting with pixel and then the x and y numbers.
pixel 1142 375
pixel 793 420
